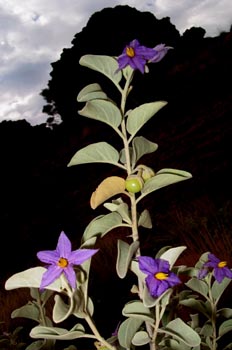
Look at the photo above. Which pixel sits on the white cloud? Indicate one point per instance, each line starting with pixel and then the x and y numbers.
pixel 33 34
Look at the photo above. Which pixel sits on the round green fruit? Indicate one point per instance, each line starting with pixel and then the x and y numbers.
pixel 134 184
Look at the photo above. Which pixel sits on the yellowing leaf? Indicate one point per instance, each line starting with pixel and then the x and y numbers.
pixel 108 188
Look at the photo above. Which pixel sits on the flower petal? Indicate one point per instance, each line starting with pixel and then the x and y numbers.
pixel 64 246
pixel 48 256
pixel 148 265
pixel 77 257
pixel 70 275
pixel 49 276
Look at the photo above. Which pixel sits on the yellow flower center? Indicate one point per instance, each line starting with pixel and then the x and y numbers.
pixel 222 264
pixel 130 51
pixel 62 262
pixel 161 275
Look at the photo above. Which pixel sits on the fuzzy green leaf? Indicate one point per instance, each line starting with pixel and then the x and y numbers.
pixel 163 178
pixel 219 288
pixel 181 331
pixel 104 111
pixel 124 257
pixel 138 310
pixel 58 333
pixel 145 219
pixel 104 64
pixel 100 152
pixel 141 146
pixel 141 338
pixel 101 225
pixel 30 311
pixel 121 208
pixel 194 304
pixel 140 116
pixel 127 330
pixel 172 254
pixel 91 92
pixel 225 327
pixel 225 312
pixel 198 286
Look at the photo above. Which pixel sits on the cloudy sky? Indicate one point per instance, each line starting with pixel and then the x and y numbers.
pixel 33 34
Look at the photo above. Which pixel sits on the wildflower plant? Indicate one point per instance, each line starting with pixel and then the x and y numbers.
pixel 151 318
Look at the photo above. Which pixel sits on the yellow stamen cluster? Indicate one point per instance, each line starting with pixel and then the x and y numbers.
pixel 62 262
pixel 130 52
pixel 222 264
pixel 161 276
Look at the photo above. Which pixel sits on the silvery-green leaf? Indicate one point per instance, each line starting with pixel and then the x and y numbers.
pixel 138 310
pixel 172 254
pixel 104 64
pixel 150 301
pixel 207 330
pixel 141 338
pixel 30 311
pixel 135 268
pixel 122 209
pixel 162 179
pixel 194 304
pixel 181 331
pixel 57 332
pixel 127 330
pixel 140 115
pixel 225 327
pixel 225 312
pixel 141 146
pixel 199 286
pixel 104 111
pixel 124 257
pixel 219 288
pixel 61 311
pixel 32 278
pixel 101 225
pixel 145 219
pixel 100 152
pixel 37 345
pixel 91 92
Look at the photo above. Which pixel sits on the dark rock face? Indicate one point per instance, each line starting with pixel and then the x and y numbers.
pixel 40 196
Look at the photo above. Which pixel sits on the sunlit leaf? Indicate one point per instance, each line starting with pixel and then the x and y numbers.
pixel 91 92
pixel 104 111
pixel 140 115
pixel 125 254
pixel 104 64
pixel 100 152
pixel 108 188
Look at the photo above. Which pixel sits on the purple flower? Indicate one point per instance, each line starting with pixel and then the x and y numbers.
pixel 159 277
pixel 62 260
pixel 136 56
pixel 220 268
pixel 160 51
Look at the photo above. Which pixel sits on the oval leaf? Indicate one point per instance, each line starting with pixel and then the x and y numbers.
pixel 225 327
pixel 141 338
pixel 127 330
pixel 91 92
pixel 145 219
pixel 124 257
pixel 57 333
pixel 198 286
pixel 100 152
pixel 104 64
pixel 172 254
pixel 104 111
pixel 142 146
pixel 108 188
pixel 138 310
pixel 140 115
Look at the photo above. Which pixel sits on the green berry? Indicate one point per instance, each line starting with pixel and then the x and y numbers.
pixel 134 184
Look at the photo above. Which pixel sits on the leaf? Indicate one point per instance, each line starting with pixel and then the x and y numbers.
pixel 31 278
pixel 225 312
pixel 198 286
pixel 219 288
pixel 163 178
pixel 172 254
pixel 140 115
pixel 194 304
pixel 127 330
pixel 36 345
pixel 57 333
pixel 150 301
pixel 91 92
pixel 104 64
pixel 101 225
pixel 30 311
pixel 122 208
pixel 181 331
pixel 141 146
pixel 145 219
pixel 225 327
pixel 108 188
pixel 100 152
pixel 138 310
pixel 141 338
pixel 124 257
pixel 104 111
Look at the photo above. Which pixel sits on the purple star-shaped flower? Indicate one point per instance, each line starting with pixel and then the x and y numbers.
pixel 62 260
pixel 159 277
pixel 136 56
pixel 220 268
pixel 161 50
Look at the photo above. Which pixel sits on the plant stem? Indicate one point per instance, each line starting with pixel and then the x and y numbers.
pixel 213 315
